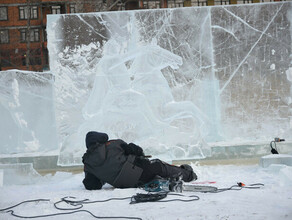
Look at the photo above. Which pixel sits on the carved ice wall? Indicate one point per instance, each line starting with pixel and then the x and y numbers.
pixel 27 110
pixel 173 80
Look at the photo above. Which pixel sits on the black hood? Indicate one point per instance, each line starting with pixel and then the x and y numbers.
pixel 94 137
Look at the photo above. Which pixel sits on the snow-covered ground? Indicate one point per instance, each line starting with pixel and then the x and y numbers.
pixel 273 201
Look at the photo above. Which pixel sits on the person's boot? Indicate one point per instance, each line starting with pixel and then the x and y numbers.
pixel 170 171
pixel 188 173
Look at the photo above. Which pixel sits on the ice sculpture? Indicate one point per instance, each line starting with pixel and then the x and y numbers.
pixel 27 113
pixel 173 80
pixel 138 91
pixel 113 105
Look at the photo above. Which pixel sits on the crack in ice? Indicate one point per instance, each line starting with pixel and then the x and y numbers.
pixel 224 29
pixel 208 16
pixel 89 25
pixel 235 71
pixel 243 21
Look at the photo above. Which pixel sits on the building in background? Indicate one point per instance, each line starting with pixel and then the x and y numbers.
pixel 23 42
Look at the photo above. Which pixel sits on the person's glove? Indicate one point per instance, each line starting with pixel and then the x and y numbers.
pixel 138 151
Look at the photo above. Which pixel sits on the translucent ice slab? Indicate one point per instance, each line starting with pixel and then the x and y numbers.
pixel 173 80
pixel 27 112
pixel 284 159
pixel 18 174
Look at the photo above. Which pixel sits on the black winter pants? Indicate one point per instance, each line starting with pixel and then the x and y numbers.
pixel 153 168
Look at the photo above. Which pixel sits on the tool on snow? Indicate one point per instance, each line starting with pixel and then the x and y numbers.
pixel 166 185
pixel 177 185
pixel 274 149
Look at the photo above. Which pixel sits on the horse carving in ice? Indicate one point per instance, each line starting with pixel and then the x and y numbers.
pixel 131 98
pixel 113 106
pixel 150 81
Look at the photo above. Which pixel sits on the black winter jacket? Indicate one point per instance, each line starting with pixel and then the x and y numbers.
pixel 111 161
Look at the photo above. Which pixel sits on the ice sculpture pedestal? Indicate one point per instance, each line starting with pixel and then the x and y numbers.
pixel 18 174
pixel 285 159
pixel 40 163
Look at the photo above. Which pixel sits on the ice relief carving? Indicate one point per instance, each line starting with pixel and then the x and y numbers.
pixel 132 99
pixel 173 80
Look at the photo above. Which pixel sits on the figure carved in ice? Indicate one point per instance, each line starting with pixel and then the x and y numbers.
pixel 112 105
pixel 108 79
pixel 136 100
pixel 22 137
pixel 150 81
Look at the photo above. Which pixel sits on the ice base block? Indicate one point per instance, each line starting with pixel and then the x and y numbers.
pixel 285 159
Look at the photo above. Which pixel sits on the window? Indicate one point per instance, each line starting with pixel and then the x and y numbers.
pixel 23 12
pixel 5 59
pixel 34 35
pixel 151 4
pixel 200 3
pixel 72 8
pixel 34 12
pixel 3 14
pixel 4 36
pixel 22 35
pixel 244 1
pixel 222 2
pixel 56 9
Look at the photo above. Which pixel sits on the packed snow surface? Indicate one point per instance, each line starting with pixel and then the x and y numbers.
pixel 273 201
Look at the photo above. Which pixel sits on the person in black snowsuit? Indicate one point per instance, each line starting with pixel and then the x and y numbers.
pixel 124 165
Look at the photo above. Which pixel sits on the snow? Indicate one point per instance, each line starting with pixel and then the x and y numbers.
pixel 273 201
